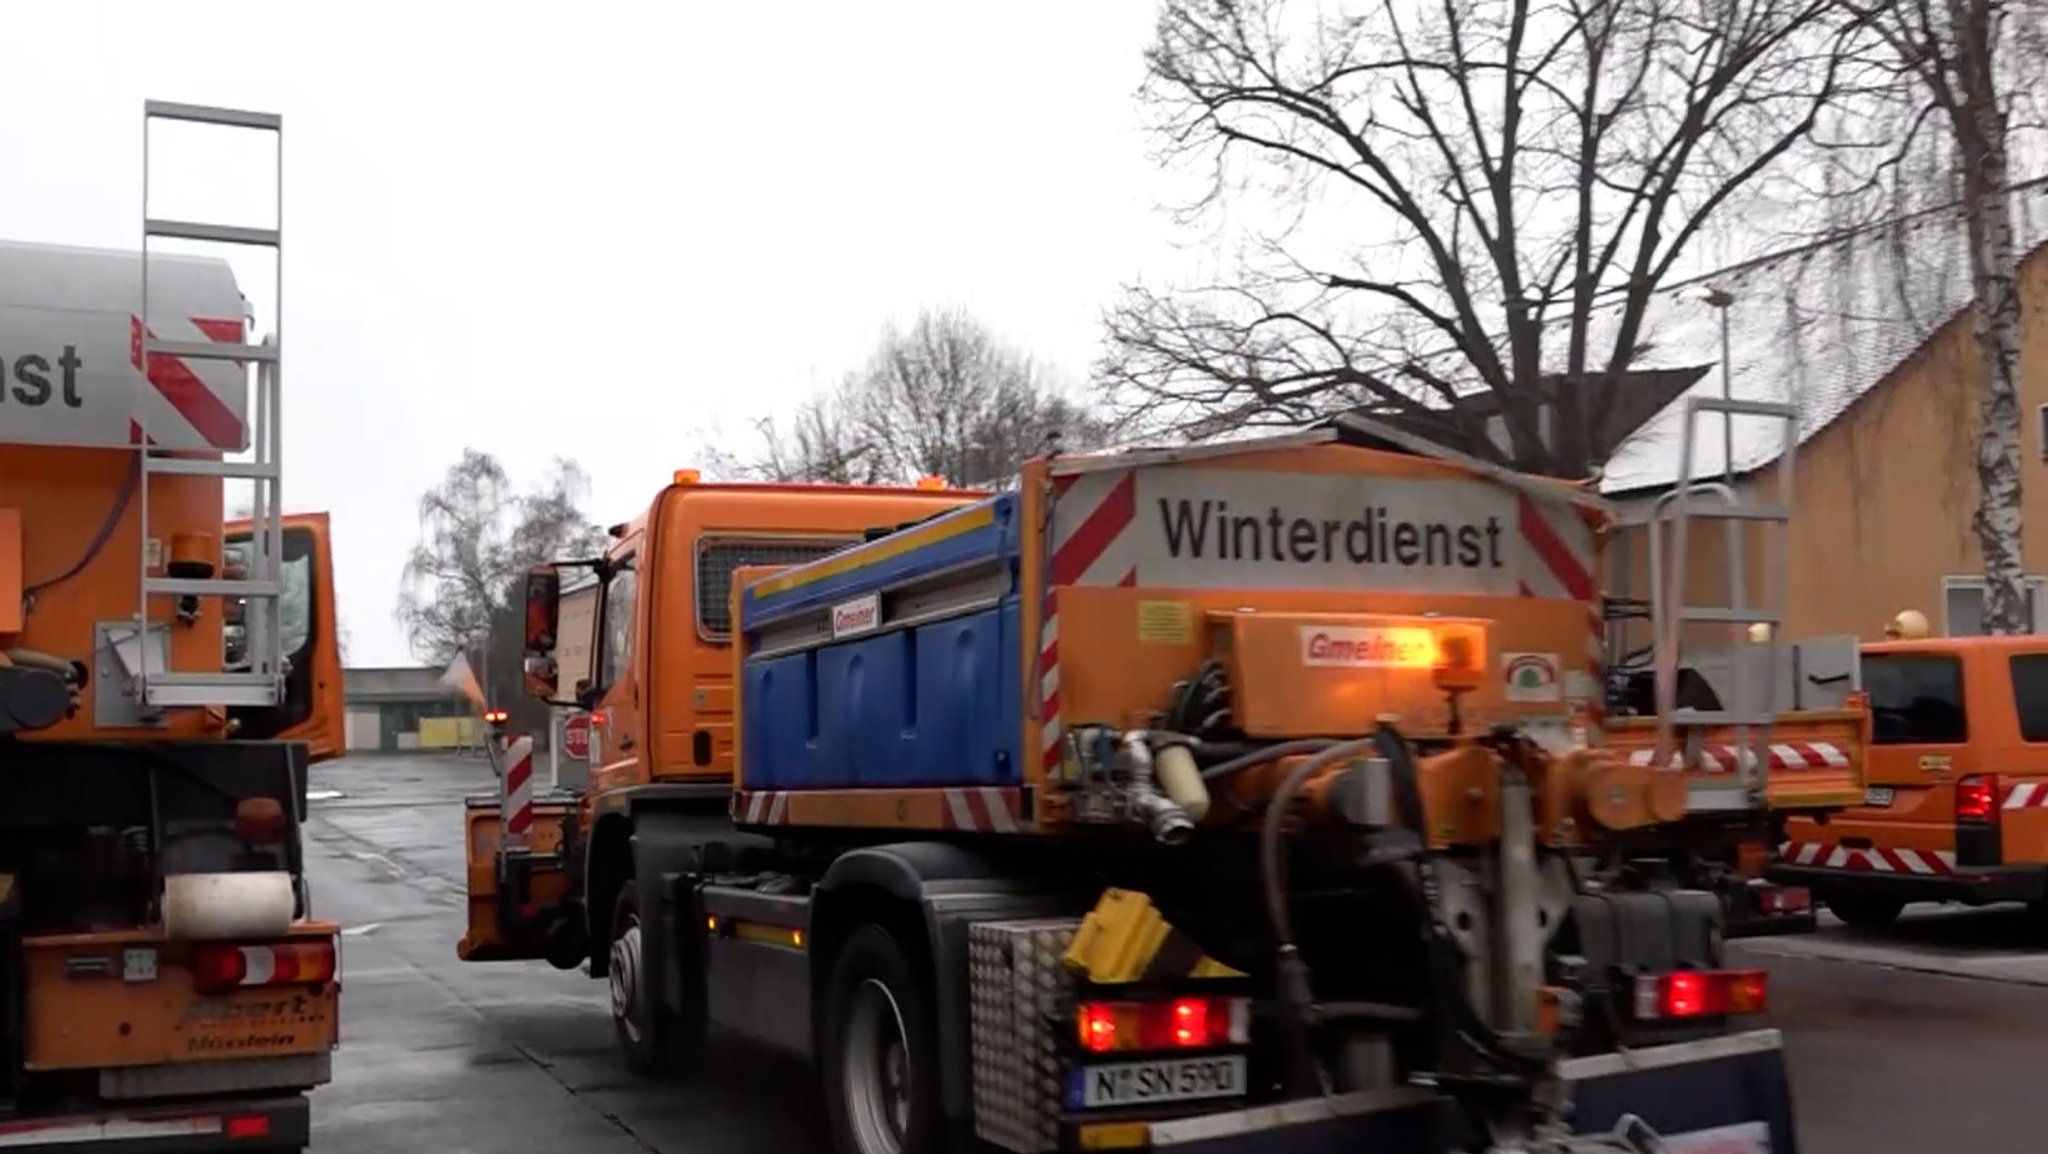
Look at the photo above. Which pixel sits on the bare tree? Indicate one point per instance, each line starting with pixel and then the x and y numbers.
pixel 1940 90
pixel 943 398
pixel 478 536
pixel 1458 185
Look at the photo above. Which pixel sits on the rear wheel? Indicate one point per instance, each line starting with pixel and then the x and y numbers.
pixel 881 1051
pixel 654 1040
pixel 1865 911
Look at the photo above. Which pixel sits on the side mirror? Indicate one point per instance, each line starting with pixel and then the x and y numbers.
pixel 543 619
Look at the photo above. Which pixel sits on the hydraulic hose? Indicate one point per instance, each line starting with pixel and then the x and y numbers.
pixel 1264 756
pixel 1271 871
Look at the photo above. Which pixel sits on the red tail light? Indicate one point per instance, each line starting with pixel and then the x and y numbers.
pixel 241 1126
pixel 219 967
pixel 1977 797
pixel 1701 994
pixel 1167 1024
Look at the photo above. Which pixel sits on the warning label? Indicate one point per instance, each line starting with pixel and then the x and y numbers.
pixel 1222 528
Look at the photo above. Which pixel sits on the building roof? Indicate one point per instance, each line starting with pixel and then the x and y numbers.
pixel 1818 326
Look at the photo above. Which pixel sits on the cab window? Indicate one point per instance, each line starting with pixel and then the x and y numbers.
pixel 1915 699
pixel 2030 695
pixel 619 593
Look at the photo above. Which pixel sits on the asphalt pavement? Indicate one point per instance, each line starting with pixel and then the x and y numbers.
pixel 1930 1036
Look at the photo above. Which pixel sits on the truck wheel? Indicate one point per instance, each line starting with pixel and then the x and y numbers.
pixel 654 1040
pixel 881 1051
pixel 1865 912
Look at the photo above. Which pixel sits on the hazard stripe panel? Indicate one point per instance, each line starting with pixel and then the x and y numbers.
pixel 2027 795
pixel 1790 755
pixel 60 1132
pixel 191 405
pixel 965 809
pixel 519 786
pixel 1874 859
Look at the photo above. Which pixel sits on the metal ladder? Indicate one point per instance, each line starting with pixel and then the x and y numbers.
pixel 1749 709
pixel 261 584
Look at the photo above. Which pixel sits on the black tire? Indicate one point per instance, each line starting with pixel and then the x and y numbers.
pixel 654 1041
pixel 876 995
pixel 1865 912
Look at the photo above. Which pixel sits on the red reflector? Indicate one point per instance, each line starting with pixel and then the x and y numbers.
pixel 1977 797
pixel 218 967
pixel 1785 900
pixel 1097 1022
pixel 1701 994
pixel 1175 1024
pixel 248 1126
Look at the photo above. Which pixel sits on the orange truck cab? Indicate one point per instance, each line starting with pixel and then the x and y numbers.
pixel 1956 808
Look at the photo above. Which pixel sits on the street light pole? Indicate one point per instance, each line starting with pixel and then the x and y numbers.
pixel 1719 300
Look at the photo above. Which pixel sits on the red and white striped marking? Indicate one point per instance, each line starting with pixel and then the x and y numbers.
pixel 984 810
pixel 972 809
pixel 1729 758
pixel 2027 795
pixel 518 789
pixel 1562 540
pixel 1091 545
pixel 1836 856
pixel 191 405
pixel 65 1131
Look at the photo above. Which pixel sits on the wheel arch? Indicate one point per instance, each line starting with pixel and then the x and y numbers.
pixel 607 864
pixel 926 893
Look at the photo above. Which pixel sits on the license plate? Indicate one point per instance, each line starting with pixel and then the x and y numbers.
pixel 1160 1080
pixel 1878 795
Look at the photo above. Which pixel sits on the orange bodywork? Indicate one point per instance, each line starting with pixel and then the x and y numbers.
pixel 1920 776
pixel 86 1016
pixel 1795 779
pixel 72 544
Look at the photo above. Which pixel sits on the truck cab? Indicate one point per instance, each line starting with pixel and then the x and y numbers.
pixel 1956 805
pixel 654 670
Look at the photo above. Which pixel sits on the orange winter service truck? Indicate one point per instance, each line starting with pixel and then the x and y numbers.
pixel 1957 804
pixel 1212 799
pixel 165 679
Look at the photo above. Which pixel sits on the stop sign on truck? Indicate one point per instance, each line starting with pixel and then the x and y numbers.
pixel 576 736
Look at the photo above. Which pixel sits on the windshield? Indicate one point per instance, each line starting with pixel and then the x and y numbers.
pixel 294 607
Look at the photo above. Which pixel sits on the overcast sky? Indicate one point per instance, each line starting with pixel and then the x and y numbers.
pixel 595 236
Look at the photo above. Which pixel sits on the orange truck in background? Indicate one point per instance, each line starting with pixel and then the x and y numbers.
pixel 165 680
pixel 1957 804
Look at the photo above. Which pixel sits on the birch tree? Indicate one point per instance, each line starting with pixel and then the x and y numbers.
pixel 1456 185
pixel 1942 91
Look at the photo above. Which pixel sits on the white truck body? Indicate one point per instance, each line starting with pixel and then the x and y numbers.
pixel 70 344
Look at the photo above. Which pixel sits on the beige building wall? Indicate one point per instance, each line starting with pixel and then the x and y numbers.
pixel 1883 497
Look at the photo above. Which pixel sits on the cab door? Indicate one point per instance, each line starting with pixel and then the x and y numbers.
pixel 312 710
pixel 618 717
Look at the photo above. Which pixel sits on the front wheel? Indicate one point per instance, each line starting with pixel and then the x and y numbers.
pixel 653 1040
pixel 881 1050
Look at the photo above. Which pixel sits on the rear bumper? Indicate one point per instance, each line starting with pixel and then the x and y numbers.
pixel 273 1124
pixel 1734 1086
pixel 1975 885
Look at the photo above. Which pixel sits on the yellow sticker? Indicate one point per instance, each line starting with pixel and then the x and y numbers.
pixel 1166 622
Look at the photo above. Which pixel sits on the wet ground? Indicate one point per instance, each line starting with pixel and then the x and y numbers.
pixel 1929 1037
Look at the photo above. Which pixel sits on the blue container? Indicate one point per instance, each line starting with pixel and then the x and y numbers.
pixel 934 704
